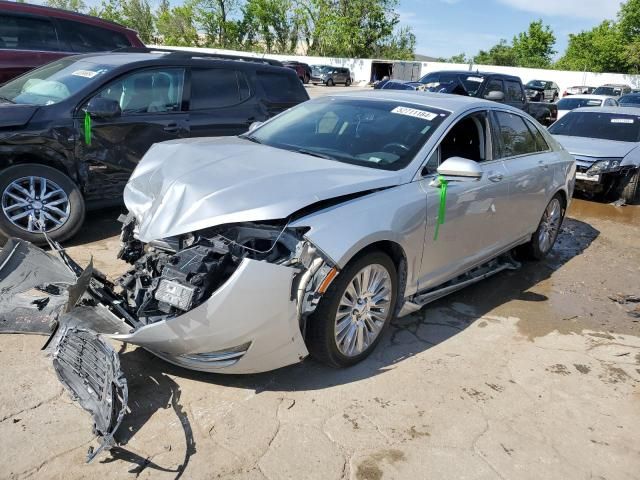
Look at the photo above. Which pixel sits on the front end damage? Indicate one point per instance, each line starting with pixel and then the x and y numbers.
pixel 229 299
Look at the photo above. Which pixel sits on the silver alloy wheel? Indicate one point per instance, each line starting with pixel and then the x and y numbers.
pixel 550 225
pixel 363 310
pixel 35 203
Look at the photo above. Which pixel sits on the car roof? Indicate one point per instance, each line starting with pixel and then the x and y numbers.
pixel 474 73
pixel 612 110
pixel 29 8
pixel 443 101
pixel 587 96
pixel 116 59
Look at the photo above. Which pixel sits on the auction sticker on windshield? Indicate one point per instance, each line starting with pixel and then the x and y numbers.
pixel 475 79
pixel 414 112
pixel 622 120
pixel 85 73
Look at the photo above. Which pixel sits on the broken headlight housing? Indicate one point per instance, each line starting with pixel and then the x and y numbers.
pixel 605 165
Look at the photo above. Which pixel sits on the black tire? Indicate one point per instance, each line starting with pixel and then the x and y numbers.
pixel 75 200
pixel 630 191
pixel 321 340
pixel 306 79
pixel 330 82
pixel 536 249
pixel 347 83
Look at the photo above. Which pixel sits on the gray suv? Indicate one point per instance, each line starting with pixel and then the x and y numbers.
pixel 330 76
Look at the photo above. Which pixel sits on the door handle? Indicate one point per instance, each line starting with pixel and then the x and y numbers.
pixel 496 177
pixel 172 128
pixel 542 164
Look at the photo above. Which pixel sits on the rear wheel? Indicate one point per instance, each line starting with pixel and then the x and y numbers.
pixel 347 83
pixel 35 198
pixel 330 82
pixel 545 236
pixel 351 316
pixel 631 188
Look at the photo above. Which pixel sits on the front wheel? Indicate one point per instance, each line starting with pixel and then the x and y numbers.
pixel 35 198
pixel 351 316
pixel 330 83
pixel 631 188
pixel 545 236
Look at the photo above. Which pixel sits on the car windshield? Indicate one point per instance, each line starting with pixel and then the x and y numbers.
pixel 571 103
pixel 384 135
pixel 537 84
pixel 630 100
pixel 52 83
pixel 607 126
pixel 443 81
pixel 611 91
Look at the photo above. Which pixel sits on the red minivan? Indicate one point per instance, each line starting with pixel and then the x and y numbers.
pixel 32 35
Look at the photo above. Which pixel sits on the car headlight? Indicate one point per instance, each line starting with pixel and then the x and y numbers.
pixel 175 294
pixel 604 166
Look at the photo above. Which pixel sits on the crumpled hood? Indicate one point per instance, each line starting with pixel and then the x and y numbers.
pixel 186 185
pixel 15 115
pixel 595 147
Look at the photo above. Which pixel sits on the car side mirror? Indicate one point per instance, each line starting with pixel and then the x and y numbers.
pixel 460 169
pixel 495 96
pixel 254 125
pixel 99 107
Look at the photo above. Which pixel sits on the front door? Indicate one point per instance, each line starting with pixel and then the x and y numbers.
pixel 529 163
pixel 472 230
pixel 151 112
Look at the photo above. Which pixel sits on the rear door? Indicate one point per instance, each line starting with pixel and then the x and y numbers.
pixel 529 161
pixel 151 103
pixel 221 102
pixel 26 42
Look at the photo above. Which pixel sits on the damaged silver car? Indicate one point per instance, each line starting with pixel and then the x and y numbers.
pixel 306 235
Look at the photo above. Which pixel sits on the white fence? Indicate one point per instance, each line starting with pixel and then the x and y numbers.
pixel 361 69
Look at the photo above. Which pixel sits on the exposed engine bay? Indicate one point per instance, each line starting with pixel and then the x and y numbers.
pixel 174 275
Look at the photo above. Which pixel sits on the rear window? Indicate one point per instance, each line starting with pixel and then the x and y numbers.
pixel 217 88
pixel 572 103
pixel 27 33
pixel 607 126
pixel 89 38
pixel 438 81
pixel 280 88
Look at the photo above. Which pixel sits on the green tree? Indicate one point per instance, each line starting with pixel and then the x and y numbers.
pixel 460 58
pixel 271 25
pixel 73 5
pixel 601 49
pixel 215 17
pixel 629 19
pixel 108 10
pixel 176 26
pixel 136 14
pixel 534 48
pixel 500 54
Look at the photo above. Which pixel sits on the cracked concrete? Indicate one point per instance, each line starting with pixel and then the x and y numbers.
pixel 531 374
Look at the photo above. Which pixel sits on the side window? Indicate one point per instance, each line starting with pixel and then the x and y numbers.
pixel 281 88
pixel 466 139
pixel 494 85
pixel 217 88
pixel 89 38
pixel 149 91
pixel 27 33
pixel 541 143
pixel 513 93
pixel 515 136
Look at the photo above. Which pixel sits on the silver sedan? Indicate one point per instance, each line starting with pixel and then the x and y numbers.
pixel 306 235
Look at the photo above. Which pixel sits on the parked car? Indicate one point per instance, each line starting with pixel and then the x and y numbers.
pixel 306 235
pixel 72 131
pixel 542 91
pixel 612 90
pixel 330 76
pixel 491 86
pixel 32 35
pixel 578 101
pixel 578 90
pixel 302 69
pixel 605 143
pixel 629 100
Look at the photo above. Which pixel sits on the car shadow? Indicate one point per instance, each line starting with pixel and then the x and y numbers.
pixel 99 225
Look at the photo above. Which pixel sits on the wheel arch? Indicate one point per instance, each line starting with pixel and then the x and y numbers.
pixel 45 157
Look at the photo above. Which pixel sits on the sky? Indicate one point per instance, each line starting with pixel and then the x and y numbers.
pixel 444 28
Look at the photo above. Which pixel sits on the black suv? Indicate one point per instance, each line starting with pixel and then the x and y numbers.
pixel 72 131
